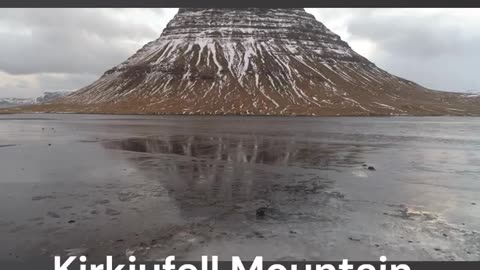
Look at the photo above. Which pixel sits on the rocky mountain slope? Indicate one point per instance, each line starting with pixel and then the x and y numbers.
pixel 255 61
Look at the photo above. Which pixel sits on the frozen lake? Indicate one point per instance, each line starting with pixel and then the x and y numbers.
pixel 285 188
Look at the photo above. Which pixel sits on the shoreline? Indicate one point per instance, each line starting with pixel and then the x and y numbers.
pixel 246 115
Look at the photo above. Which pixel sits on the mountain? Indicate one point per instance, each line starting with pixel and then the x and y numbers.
pixel 255 61
pixel 51 96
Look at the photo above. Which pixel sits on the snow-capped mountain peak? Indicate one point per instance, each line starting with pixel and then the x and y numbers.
pixel 256 61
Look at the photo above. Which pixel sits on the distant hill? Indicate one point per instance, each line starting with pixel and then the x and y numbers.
pixel 14 102
pixel 51 96
pixel 472 93
pixel 47 97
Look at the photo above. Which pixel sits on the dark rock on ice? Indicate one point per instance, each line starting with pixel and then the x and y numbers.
pixel 261 211
pixel 53 214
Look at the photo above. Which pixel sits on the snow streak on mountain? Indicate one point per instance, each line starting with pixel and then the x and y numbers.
pixel 256 61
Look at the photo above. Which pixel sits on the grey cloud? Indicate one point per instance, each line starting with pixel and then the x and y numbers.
pixel 436 49
pixel 68 40
pixel 415 37
pixel 71 54
pixel 104 23
pixel 34 85
pixel 66 49
pixel 59 82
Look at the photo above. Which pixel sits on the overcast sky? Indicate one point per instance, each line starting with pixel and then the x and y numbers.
pixel 66 49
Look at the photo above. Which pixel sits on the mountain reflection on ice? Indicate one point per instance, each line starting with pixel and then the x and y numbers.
pixel 251 149
pixel 208 171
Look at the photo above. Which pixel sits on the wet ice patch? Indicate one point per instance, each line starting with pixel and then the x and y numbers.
pixel 76 252
pixel 7 145
pixel 411 213
pixel 419 215
pixel 360 174
pixel 130 252
pixel 39 198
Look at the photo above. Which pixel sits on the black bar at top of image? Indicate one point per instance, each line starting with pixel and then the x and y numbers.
pixel 239 3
